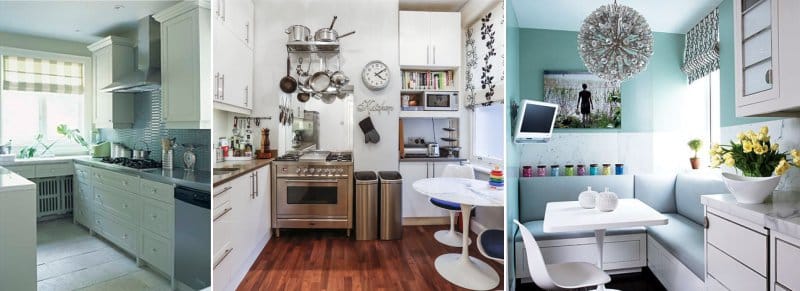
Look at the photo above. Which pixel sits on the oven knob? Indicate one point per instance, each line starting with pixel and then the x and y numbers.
pixel 341 171
pixel 305 171
pixel 298 171
pixel 328 172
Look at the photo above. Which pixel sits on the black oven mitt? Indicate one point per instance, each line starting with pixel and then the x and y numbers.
pixel 370 134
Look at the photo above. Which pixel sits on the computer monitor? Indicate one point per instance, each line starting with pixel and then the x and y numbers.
pixel 536 122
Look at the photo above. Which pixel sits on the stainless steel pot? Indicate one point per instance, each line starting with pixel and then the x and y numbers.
pixel 433 150
pixel 142 154
pixel 298 33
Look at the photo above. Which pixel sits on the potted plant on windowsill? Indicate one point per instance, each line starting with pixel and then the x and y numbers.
pixel 695 145
pixel 28 152
pixel 757 158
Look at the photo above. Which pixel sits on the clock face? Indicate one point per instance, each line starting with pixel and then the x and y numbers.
pixel 375 75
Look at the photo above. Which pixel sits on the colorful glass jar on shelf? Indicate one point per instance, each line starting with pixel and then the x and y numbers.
pixel 527 171
pixel 569 170
pixel 606 169
pixel 594 170
pixel 541 171
pixel 581 170
pixel 555 171
pixel 619 169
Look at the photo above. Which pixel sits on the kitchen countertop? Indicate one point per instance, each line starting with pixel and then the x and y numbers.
pixel 50 160
pixel 10 181
pixel 243 167
pixel 444 159
pixel 197 179
pixel 780 213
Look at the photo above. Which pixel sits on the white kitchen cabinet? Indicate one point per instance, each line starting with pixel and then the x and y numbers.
pixel 233 72
pixel 430 39
pixel 236 16
pixel 416 204
pixel 241 226
pixel 765 46
pixel 186 65
pixel 785 255
pixel 736 252
pixel 17 234
pixel 112 58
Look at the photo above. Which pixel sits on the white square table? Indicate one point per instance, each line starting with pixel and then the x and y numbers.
pixel 570 216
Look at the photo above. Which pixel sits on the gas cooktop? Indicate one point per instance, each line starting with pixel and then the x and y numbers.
pixel 133 163
pixel 316 156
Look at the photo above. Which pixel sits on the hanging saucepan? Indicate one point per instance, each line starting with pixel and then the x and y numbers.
pixel 338 78
pixel 328 98
pixel 288 84
pixel 303 97
pixel 327 34
pixel 298 33
pixel 320 81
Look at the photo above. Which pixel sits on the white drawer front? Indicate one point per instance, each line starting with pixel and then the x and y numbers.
pixel 119 203
pixel 786 270
pixel 54 170
pixel 158 191
pixel 83 173
pixel 222 193
pixel 157 252
pixel 157 217
pixel 714 285
pixel 223 266
pixel 733 274
pixel 25 171
pixel 744 244
pixel 84 192
pixel 778 287
pixel 223 228
pixel 83 214
pixel 119 181
pixel 118 232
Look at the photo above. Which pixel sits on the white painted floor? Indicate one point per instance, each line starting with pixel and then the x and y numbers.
pixel 70 259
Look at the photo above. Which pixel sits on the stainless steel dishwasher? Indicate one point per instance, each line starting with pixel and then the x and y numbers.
pixel 193 237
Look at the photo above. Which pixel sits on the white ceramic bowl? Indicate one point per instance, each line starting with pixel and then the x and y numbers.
pixel 750 190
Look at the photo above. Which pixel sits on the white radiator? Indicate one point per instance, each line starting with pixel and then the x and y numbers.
pixel 54 195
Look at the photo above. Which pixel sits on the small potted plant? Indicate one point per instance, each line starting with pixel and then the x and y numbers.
pixel 757 158
pixel 695 145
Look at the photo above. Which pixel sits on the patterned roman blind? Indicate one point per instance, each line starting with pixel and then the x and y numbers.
pixel 701 56
pixel 42 75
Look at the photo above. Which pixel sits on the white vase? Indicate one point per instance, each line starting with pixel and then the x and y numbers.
pixel 750 190
pixel 587 198
pixel 607 201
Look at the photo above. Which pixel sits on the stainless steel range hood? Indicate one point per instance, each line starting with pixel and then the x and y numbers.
pixel 147 77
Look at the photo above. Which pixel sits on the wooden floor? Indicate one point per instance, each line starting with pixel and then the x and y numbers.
pixel 68 258
pixel 328 260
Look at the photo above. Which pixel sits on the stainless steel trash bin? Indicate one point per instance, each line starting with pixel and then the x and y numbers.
pixel 391 209
pixel 366 205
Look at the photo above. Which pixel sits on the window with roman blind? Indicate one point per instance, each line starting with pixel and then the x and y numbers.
pixel 37 94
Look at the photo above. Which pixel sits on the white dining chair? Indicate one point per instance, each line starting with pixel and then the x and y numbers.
pixel 452 237
pixel 563 276
pixel 490 244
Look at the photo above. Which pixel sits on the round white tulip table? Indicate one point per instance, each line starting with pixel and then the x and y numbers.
pixel 461 269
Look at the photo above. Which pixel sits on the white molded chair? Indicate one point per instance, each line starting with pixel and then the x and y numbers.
pixel 490 244
pixel 452 237
pixel 558 276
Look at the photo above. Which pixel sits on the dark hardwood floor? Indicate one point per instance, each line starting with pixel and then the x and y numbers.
pixel 644 281
pixel 328 260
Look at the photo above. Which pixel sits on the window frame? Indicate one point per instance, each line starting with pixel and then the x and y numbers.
pixel 478 160
pixel 86 128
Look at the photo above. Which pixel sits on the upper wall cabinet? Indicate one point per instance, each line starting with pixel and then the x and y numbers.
pixel 237 17
pixel 186 65
pixel 430 39
pixel 233 56
pixel 766 46
pixel 112 57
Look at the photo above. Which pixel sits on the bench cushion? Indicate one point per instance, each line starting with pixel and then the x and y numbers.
pixel 683 239
pixel 535 227
pixel 688 189
pixel 657 191
pixel 534 193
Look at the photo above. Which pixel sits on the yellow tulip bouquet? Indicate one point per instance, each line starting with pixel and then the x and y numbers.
pixel 754 154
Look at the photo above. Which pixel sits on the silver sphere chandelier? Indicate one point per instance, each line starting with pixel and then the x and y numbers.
pixel 615 42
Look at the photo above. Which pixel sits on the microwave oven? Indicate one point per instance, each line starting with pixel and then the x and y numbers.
pixel 440 101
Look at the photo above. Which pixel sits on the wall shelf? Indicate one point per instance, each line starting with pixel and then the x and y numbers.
pixel 312 47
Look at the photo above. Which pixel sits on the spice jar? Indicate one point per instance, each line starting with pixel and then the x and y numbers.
pixel 527 171
pixel 619 169
pixel 555 171
pixel 569 170
pixel 581 170
pixel 606 169
pixel 541 171
pixel 593 170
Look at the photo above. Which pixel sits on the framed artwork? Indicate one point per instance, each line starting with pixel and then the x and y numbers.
pixel 585 100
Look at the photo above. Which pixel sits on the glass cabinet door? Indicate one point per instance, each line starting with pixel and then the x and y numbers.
pixel 756 46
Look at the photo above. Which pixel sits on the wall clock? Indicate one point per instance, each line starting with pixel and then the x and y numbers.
pixel 375 75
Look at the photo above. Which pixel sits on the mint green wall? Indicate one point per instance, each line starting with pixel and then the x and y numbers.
pixel 727 103
pixel 512 150
pixel 644 97
pixel 43 44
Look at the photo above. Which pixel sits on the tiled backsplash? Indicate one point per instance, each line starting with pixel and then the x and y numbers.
pixel 149 129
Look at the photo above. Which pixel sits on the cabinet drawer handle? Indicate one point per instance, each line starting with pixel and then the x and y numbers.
pixel 155 250
pixel 216 78
pixel 227 252
pixel 223 191
pixel 223 213
pixel 768 76
pixel 154 216
pixel 247 32
pixel 705 222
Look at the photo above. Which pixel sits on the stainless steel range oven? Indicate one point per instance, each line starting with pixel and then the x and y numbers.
pixel 312 194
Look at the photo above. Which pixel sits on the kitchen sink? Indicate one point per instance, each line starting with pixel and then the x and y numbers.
pixel 223 171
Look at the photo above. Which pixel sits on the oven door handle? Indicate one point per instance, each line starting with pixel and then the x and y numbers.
pixel 312 181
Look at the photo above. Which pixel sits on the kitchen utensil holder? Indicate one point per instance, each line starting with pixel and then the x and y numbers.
pixel 166 159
